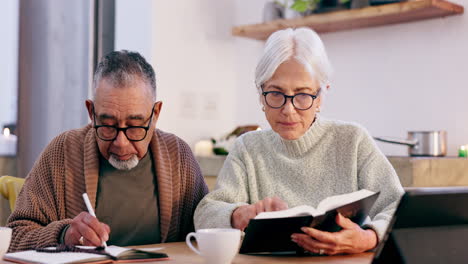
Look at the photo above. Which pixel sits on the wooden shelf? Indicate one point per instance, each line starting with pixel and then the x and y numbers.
pixel 356 18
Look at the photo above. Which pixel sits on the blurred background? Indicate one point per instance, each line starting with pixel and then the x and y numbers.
pixel 391 78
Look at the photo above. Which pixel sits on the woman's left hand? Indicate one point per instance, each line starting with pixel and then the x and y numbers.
pixel 351 239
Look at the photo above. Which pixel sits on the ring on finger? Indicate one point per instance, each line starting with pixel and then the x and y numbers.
pixel 321 251
pixel 81 240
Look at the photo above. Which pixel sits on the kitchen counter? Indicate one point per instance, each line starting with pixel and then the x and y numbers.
pixel 210 167
pixel 431 171
pixel 412 171
pixel 8 166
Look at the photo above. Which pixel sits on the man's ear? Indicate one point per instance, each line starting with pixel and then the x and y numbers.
pixel 157 110
pixel 89 107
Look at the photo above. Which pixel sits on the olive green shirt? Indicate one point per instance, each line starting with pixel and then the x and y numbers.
pixel 127 201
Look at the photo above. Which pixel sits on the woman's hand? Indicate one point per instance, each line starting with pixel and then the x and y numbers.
pixel 241 216
pixel 351 239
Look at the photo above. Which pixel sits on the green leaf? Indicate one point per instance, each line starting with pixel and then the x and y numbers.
pixel 344 1
pixel 300 5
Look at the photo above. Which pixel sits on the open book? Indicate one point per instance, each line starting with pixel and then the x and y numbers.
pixel 122 254
pixel 271 231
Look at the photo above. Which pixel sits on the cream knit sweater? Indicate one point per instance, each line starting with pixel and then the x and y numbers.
pixel 331 158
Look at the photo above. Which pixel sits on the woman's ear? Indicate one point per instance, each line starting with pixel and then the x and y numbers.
pixel 261 99
pixel 319 104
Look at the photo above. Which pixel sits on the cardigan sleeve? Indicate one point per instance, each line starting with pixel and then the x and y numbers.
pixel 36 221
pixel 192 191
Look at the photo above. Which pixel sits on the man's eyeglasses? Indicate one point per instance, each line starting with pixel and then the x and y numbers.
pixel 133 133
pixel 300 101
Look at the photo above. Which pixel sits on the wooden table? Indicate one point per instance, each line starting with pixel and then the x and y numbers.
pixel 179 253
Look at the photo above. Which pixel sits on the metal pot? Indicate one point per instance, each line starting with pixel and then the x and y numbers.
pixel 422 143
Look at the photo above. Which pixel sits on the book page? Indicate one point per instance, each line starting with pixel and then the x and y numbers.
pixel 116 251
pixel 152 249
pixel 136 253
pixel 340 200
pixel 32 256
pixel 295 211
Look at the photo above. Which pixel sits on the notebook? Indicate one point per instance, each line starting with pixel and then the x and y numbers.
pixel 122 254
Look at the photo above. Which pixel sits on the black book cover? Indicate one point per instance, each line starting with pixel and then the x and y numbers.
pixel 273 235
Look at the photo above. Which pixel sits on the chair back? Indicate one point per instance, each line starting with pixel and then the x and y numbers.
pixel 10 187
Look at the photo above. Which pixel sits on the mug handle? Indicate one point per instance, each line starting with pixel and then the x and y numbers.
pixel 189 243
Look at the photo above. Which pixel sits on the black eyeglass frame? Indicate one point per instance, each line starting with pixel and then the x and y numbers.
pixel 124 129
pixel 292 99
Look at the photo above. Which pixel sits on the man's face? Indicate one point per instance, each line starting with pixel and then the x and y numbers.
pixel 123 107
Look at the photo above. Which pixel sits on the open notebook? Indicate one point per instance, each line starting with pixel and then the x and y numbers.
pixel 122 254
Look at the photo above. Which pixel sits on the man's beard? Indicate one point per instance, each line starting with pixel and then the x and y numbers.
pixel 123 164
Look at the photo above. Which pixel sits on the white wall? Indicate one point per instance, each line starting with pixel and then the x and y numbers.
pixel 403 77
pixel 133 26
pixel 9 66
pixel 199 67
pixel 391 79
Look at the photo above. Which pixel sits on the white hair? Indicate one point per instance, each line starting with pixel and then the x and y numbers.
pixel 123 164
pixel 302 44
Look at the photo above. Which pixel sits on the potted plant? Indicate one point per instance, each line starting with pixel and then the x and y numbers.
pixel 307 7
pixel 296 8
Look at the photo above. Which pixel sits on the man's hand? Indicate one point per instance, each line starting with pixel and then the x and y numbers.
pixel 351 239
pixel 241 216
pixel 84 225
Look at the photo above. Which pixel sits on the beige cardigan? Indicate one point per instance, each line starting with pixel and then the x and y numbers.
pixel 69 166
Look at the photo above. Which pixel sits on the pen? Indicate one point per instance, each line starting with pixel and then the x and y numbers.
pixel 90 208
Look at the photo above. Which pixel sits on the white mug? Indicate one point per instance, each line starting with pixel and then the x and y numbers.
pixel 216 245
pixel 5 238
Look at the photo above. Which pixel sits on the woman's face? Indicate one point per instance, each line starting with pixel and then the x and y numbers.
pixel 291 78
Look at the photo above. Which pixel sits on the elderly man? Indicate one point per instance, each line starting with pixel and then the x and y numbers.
pixel 143 183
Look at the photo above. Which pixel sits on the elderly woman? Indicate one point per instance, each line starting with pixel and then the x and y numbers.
pixel 304 158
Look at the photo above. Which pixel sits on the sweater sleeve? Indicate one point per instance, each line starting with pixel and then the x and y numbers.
pixel 192 191
pixel 38 218
pixel 375 173
pixel 215 210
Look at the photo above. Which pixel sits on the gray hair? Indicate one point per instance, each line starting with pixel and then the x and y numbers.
pixel 122 68
pixel 302 44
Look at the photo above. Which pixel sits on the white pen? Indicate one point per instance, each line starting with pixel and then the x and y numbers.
pixel 90 208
